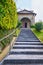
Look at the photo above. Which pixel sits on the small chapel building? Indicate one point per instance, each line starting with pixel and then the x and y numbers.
pixel 27 18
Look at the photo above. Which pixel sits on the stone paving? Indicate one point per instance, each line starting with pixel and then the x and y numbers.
pixel 27 35
pixel 27 50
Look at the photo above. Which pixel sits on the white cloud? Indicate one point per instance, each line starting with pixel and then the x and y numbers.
pixel 37 6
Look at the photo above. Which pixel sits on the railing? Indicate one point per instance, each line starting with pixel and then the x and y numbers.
pixel 6 40
pixel 7 36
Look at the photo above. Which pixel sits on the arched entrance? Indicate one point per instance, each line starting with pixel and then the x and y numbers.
pixel 25 22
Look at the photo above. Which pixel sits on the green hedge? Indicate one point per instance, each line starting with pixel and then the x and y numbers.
pixel 8 14
pixel 32 26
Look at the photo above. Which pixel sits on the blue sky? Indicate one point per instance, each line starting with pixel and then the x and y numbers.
pixel 36 5
pixel 24 4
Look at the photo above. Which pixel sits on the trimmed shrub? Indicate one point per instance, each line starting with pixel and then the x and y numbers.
pixel 42 25
pixel 38 26
pixel 32 26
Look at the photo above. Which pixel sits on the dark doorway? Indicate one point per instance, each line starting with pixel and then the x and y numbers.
pixel 25 25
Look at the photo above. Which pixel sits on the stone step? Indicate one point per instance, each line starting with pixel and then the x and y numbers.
pixel 27 36
pixel 24 59
pixel 27 45
pixel 28 53
pixel 26 50
pixel 27 40
pixel 23 62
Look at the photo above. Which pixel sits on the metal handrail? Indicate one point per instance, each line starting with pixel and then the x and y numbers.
pixel 7 36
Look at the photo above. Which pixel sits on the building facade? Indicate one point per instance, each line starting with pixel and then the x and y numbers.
pixel 27 18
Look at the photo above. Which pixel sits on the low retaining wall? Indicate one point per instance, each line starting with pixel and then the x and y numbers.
pixel 7 49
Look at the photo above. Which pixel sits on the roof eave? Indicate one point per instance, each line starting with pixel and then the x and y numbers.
pixel 27 13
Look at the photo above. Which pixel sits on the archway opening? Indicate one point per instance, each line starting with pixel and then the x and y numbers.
pixel 25 23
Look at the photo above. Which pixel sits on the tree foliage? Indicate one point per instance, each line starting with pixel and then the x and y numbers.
pixel 19 24
pixel 38 26
pixel 8 14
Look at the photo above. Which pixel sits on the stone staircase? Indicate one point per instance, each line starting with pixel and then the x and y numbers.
pixel 26 51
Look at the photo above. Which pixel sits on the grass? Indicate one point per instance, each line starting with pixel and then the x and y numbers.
pixel 38 34
pixel 17 32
